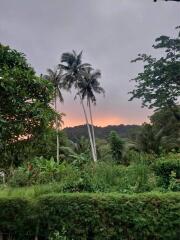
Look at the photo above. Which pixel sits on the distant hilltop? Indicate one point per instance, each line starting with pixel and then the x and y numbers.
pixel 75 133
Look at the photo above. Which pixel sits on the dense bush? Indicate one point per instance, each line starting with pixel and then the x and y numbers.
pixel 25 150
pixel 117 146
pixel 92 216
pixel 108 177
pixel 100 177
pixel 41 171
pixel 165 166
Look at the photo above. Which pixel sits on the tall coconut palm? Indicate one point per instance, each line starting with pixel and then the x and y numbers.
pixel 74 69
pixel 56 76
pixel 89 86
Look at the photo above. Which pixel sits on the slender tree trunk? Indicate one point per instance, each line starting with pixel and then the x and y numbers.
pixel 57 130
pixel 1 236
pixel 89 131
pixel 87 124
pixel 92 128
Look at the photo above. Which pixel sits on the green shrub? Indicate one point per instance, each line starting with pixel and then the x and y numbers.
pixel 58 236
pixel 139 157
pixel 174 183
pixel 80 183
pixel 92 216
pixel 41 171
pixel 20 178
pixel 107 177
pixel 117 146
pixel 100 177
pixel 164 167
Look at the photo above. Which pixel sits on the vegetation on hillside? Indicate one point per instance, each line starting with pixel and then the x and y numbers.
pixel 125 131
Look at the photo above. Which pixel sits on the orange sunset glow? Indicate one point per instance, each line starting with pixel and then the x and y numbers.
pixel 101 121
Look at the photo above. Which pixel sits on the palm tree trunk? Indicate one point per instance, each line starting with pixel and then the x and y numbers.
pixel 89 131
pixel 92 128
pixel 87 124
pixel 57 130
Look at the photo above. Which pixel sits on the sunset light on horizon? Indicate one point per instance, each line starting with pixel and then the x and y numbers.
pixel 101 120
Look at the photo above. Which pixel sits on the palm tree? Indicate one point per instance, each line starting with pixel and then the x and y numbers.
pixel 88 87
pixel 74 69
pixel 55 76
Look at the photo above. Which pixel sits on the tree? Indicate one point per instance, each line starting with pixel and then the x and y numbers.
pixel 24 99
pixel 56 77
pixel 147 141
pixel 158 86
pixel 74 69
pixel 88 86
pixel 168 131
pixel 117 146
pixel 160 135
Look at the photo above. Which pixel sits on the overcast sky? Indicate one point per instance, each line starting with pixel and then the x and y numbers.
pixel 110 33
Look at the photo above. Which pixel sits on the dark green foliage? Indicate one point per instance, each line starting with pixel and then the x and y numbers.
pixel 24 97
pixel 93 216
pixel 158 86
pixel 41 171
pixel 174 183
pixel 24 101
pixel 17 218
pixel 147 140
pixel 162 134
pixel 43 144
pixel 82 183
pixel 117 146
pixel 165 166
pixel 166 129
pixel 75 133
pixel 80 176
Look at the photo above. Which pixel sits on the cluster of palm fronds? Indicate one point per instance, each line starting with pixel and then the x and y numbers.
pixel 71 72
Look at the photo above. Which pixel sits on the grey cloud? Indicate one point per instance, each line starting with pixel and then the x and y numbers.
pixel 110 32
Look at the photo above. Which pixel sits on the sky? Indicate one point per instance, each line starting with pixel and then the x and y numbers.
pixel 110 32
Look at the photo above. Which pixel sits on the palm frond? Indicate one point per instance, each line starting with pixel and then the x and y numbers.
pixel 96 74
pixel 61 99
pixel 68 58
pixel 55 76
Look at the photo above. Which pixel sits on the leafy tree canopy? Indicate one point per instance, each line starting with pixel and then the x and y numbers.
pixel 162 134
pixel 24 97
pixel 158 86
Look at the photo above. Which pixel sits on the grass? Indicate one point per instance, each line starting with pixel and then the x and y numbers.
pixel 38 190
pixel 29 192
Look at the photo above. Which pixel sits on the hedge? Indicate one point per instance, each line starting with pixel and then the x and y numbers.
pixel 81 216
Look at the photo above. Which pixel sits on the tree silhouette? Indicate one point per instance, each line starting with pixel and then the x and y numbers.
pixel 87 89
pixel 55 76
pixel 74 69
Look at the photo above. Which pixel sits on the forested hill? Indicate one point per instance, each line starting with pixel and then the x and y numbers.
pixel 124 131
